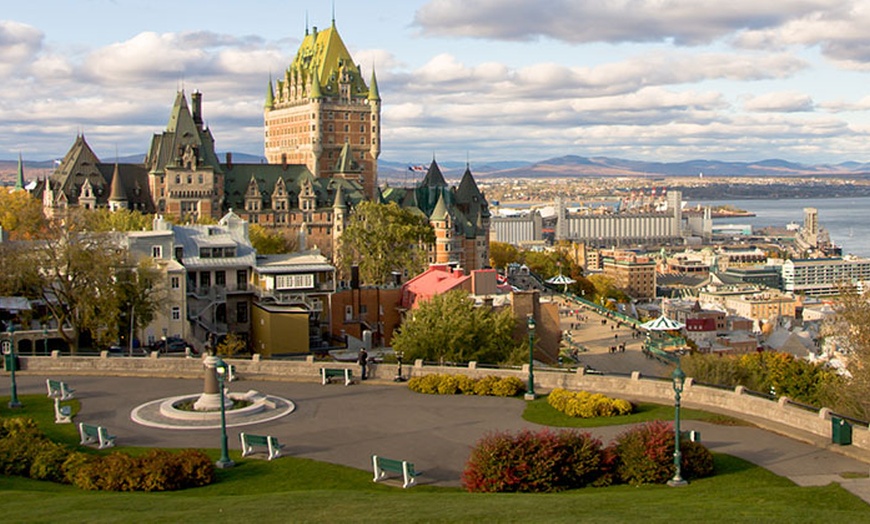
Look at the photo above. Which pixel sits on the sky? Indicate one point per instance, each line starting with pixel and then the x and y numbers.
pixel 484 80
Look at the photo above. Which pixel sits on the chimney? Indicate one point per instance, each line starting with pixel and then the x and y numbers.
pixel 284 161
pixel 229 161
pixel 196 108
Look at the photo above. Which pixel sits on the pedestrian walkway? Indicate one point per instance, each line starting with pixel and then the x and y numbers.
pixel 346 425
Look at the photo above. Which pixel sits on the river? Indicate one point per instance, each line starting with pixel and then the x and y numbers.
pixel 845 219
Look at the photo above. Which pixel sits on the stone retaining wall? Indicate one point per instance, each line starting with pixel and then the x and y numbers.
pixel 782 413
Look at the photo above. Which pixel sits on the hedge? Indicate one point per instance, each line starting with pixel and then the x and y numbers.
pixel 583 404
pixel 456 384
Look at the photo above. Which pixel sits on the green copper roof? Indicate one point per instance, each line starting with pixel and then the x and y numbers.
pixel 270 95
pixel 374 94
pixel 19 177
pixel 324 56
pixel 440 211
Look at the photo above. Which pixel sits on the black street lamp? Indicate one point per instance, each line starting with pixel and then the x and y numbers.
pixel 224 462
pixel 679 379
pixel 530 390
pixel 11 364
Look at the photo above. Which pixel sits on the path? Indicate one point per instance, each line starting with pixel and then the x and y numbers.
pixel 345 425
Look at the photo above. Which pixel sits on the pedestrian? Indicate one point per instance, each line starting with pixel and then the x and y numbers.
pixel 363 362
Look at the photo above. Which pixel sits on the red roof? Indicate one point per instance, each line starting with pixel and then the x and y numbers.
pixel 436 280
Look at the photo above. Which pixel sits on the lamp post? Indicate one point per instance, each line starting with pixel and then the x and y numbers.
pixel 679 379
pixel 45 339
pixel 9 355
pixel 530 390
pixel 224 462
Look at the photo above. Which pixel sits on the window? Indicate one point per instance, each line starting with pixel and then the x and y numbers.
pixel 156 251
pixel 363 309
pixel 346 128
pixel 205 280
pixel 176 313
pixel 179 253
pixel 362 128
pixel 174 282
pixel 242 313
pixel 220 278
pixel 348 313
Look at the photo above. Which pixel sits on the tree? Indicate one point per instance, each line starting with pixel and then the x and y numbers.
pixel 231 345
pixel 269 241
pixel 449 327
pixel 850 330
pixel 501 254
pixel 21 215
pixel 382 238
pixel 137 295
pixel 104 220
pixel 74 272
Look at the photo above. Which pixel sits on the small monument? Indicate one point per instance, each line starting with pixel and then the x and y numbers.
pixel 210 400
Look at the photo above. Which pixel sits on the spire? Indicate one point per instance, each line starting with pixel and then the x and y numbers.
pixel 19 178
pixel 306 22
pixel 440 211
pixel 374 94
pixel 333 14
pixel 270 95
pixel 339 199
pixel 315 88
pixel 117 193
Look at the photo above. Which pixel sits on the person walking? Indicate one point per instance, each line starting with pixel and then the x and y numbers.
pixel 363 362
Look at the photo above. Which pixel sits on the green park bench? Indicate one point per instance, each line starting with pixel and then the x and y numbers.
pixel 273 448
pixel 382 466
pixel 62 414
pixel 58 389
pixel 96 435
pixel 327 374
pixel 693 436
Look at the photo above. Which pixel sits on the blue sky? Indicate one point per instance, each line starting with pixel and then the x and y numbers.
pixel 662 80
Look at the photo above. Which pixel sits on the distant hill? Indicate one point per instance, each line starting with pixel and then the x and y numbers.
pixel 399 173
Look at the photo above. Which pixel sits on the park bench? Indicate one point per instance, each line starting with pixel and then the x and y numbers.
pixel 58 389
pixel 327 374
pixel 62 414
pixel 693 436
pixel 273 448
pixel 382 466
pixel 96 435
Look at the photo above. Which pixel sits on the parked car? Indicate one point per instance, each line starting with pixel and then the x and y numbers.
pixel 174 345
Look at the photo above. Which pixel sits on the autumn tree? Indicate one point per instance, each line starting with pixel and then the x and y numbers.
pixel 231 345
pixel 501 254
pixel 849 329
pixel 138 295
pixel 269 241
pixel 73 271
pixel 382 238
pixel 21 215
pixel 449 327
pixel 105 219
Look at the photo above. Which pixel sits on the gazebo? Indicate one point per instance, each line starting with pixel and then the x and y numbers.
pixel 561 280
pixel 662 323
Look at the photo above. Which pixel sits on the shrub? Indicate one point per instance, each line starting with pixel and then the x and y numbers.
pixel 645 455
pixel 48 462
pixel 508 387
pixel 532 462
pixel 158 470
pixel 454 384
pixel 587 405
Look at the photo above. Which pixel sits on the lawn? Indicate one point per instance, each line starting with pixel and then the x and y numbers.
pixel 540 412
pixel 299 490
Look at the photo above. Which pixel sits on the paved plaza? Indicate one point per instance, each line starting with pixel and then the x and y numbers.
pixel 347 424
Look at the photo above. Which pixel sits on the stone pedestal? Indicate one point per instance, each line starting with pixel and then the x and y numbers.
pixel 210 400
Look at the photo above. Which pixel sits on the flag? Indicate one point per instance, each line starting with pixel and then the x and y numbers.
pixel 417 168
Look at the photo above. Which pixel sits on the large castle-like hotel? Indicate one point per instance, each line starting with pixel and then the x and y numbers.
pixel 322 142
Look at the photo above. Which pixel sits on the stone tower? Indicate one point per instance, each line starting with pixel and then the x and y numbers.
pixel 321 107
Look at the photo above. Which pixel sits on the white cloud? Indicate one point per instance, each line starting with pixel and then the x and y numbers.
pixel 688 22
pixel 780 102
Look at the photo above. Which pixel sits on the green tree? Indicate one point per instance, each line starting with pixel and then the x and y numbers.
pixel 269 241
pixel 449 327
pixel 382 238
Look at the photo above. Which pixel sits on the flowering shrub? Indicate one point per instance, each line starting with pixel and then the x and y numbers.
pixel 532 462
pixel 645 455
pixel 587 405
pixel 455 384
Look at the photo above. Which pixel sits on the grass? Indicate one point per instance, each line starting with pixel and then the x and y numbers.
pixel 299 490
pixel 540 412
